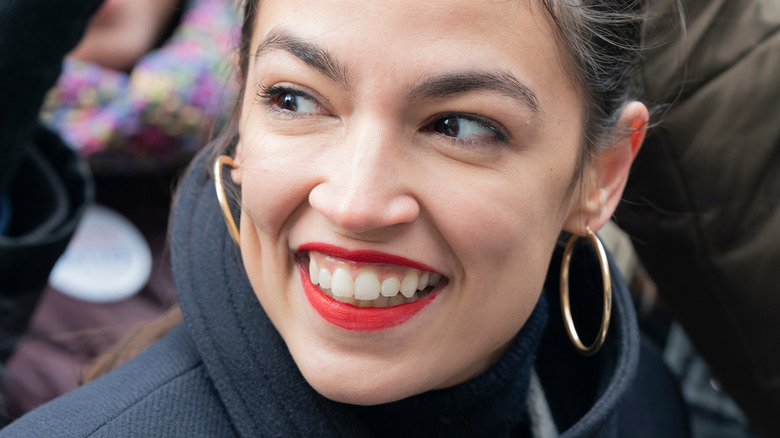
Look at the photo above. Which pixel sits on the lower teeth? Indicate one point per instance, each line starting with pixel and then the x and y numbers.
pixel 381 301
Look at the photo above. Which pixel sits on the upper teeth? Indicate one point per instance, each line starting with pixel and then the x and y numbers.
pixel 368 283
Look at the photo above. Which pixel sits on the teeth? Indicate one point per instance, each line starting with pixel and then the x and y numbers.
pixel 325 279
pixel 366 286
pixel 314 272
pixel 409 284
pixel 366 290
pixel 363 303
pixel 342 285
pixel 422 283
pixel 391 287
pixel 396 300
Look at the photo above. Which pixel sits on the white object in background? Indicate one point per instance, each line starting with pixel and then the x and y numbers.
pixel 107 260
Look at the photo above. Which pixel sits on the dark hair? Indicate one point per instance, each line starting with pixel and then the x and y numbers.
pixel 601 42
pixel 132 344
pixel 228 138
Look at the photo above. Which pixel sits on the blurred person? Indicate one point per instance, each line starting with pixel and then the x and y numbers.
pixel 147 113
pixel 702 204
pixel 134 98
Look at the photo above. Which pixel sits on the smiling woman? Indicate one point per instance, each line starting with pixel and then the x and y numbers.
pixel 331 152
pixel 402 173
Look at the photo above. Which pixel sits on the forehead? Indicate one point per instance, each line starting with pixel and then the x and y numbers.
pixel 392 24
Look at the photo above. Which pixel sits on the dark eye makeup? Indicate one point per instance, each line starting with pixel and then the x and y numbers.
pixel 463 129
pixel 467 129
pixel 289 101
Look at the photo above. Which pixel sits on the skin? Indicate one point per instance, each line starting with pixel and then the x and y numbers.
pixel 122 31
pixel 362 164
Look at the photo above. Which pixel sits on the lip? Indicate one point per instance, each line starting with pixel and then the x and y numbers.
pixel 363 256
pixel 356 318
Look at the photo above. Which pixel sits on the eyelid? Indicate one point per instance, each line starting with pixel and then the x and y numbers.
pixel 267 92
pixel 485 122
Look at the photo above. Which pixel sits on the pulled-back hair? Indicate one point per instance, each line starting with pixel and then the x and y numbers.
pixel 600 41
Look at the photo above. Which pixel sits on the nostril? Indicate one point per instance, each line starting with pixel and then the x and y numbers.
pixel 363 211
pixel 404 209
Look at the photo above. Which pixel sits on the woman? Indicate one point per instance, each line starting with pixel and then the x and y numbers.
pixel 404 172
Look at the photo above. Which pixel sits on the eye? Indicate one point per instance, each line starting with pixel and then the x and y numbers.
pixel 294 103
pixel 468 128
pixel 290 100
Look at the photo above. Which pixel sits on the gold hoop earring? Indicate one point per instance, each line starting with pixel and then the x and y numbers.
pixel 566 305
pixel 221 161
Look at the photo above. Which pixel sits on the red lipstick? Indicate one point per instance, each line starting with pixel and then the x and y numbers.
pixel 356 318
pixel 364 256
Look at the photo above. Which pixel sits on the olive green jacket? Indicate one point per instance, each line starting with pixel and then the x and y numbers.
pixel 703 200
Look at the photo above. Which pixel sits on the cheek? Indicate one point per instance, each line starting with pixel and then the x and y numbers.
pixel 272 189
pixel 498 220
pixel 278 171
pixel 503 231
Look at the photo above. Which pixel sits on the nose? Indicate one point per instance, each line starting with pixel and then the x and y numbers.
pixel 364 186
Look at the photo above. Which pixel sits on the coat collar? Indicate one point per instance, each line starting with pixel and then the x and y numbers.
pixel 585 392
pixel 246 358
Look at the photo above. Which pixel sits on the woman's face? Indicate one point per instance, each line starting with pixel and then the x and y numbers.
pixel 382 142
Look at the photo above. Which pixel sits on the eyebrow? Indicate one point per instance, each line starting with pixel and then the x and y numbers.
pixel 452 84
pixel 312 55
pixel 436 87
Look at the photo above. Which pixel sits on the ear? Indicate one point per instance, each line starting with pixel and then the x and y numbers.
pixel 235 174
pixel 605 176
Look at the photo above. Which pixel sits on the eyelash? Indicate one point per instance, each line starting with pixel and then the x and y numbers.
pixel 502 136
pixel 268 94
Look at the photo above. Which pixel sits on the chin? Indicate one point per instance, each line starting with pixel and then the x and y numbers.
pixel 360 394
pixel 358 387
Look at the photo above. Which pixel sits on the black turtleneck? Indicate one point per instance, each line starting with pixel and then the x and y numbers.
pixel 491 405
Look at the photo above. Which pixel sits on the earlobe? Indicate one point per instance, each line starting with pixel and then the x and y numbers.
pixel 596 202
pixel 235 174
pixel 609 172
